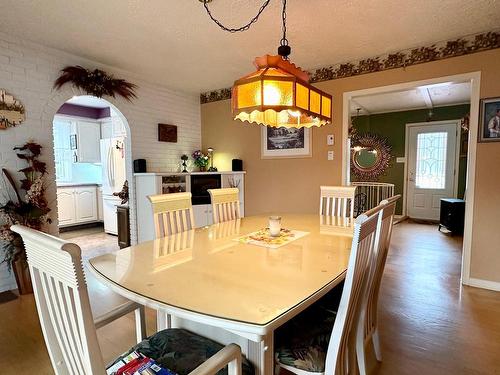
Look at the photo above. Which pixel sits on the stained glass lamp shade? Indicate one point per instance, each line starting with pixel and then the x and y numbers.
pixel 278 94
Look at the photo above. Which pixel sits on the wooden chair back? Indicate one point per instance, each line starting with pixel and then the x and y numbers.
pixel 388 212
pixel 341 354
pixel 225 204
pixel 337 201
pixel 62 302
pixel 173 213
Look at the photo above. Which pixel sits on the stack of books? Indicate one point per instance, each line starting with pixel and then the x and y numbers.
pixel 137 364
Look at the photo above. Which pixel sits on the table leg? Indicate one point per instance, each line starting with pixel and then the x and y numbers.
pixel 163 320
pixel 261 355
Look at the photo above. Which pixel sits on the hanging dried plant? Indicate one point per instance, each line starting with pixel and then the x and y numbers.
pixel 96 82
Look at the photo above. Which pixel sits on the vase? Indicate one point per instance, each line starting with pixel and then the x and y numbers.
pixel 22 274
pixel 203 169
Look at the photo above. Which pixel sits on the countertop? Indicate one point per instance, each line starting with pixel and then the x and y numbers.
pixel 72 184
pixel 186 174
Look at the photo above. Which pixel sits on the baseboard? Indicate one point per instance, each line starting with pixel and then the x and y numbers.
pixel 484 284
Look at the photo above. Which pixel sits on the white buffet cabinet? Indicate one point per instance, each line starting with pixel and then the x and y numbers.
pixel 164 183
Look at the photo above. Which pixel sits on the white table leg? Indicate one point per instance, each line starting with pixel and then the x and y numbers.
pixel 261 355
pixel 163 320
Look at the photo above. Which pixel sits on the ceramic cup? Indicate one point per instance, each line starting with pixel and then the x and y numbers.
pixel 274 225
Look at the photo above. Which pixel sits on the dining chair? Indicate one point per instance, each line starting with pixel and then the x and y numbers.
pixel 173 213
pixel 225 204
pixel 332 349
pixel 368 326
pixel 67 323
pixel 337 201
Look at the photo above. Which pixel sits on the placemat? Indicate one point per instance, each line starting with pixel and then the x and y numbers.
pixel 264 239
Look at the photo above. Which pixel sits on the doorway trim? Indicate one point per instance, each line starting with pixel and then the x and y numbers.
pixel 457 157
pixel 475 79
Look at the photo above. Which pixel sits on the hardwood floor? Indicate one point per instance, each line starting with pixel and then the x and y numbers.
pixel 429 324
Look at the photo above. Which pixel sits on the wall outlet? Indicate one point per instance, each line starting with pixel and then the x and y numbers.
pixel 330 155
pixel 330 140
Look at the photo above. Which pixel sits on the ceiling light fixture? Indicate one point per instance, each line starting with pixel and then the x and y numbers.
pixel 278 93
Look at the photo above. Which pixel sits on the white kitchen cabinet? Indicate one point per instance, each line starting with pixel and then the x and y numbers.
pixel 66 206
pixel 88 136
pixel 86 204
pixel 203 215
pixel 76 205
pixel 112 127
pixel 100 215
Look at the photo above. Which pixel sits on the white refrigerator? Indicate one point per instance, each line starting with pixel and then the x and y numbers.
pixel 113 178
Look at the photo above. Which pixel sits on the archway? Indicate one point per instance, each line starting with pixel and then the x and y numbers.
pixel 50 109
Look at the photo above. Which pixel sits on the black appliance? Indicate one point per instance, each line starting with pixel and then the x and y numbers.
pixel 140 166
pixel 452 215
pixel 237 165
pixel 200 183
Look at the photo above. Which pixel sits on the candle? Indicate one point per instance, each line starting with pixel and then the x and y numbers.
pixel 274 226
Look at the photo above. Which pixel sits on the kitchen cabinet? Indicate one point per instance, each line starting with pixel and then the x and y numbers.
pixel 202 215
pixel 112 127
pixel 76 205
pixel 88 136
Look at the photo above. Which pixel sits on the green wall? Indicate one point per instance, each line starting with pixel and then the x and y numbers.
pixel 393 127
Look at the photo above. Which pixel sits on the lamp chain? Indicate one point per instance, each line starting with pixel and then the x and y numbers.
pixel 242 28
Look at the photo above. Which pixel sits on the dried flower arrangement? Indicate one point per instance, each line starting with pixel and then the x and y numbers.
pixel 96 82
pixel 31 210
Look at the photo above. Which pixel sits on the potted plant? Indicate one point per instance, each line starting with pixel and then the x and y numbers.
pixel 30 209
pixel 200 160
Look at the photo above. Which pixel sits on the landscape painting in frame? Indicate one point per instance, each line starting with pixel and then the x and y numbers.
pixel 490 120
pixel 285 143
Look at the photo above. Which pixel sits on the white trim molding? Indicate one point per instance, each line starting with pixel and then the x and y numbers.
pixel 484 284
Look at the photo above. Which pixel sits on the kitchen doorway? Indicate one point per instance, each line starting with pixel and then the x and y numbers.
pixel 432 167
pixel 90 153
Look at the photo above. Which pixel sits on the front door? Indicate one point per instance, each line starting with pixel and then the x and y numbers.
pixel 432 163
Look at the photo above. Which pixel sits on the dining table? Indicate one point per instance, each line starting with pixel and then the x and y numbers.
pixel 225 282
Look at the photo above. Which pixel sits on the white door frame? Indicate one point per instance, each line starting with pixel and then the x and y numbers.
pixel 475 79
pixel 457 157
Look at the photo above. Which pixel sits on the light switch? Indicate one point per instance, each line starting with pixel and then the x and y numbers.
pixel 330 140
pixel 330 155
pixel 401 160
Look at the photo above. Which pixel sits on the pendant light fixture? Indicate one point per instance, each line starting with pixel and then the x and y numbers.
pixel 278 93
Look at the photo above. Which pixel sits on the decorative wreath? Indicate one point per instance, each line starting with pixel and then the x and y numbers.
pixel 371 142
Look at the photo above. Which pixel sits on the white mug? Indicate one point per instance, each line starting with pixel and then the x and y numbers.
pixel 274 225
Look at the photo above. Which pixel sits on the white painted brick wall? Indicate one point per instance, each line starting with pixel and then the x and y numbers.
pixel 28 70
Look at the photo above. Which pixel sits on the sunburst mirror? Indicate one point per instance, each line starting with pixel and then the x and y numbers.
pixel 370 156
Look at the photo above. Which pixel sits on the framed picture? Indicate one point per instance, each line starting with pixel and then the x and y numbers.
pixel 490 120
pixel 72 142
pixel 167 133
pixel 285 143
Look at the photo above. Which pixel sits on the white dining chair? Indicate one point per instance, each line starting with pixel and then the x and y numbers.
pixel 225 204
pixel 337 201
pixel 172 213
pixel 65 314
pixel 368 324
pixel 337 353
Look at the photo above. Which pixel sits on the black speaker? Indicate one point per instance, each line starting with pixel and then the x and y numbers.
pixel 237 165
pixel 140 166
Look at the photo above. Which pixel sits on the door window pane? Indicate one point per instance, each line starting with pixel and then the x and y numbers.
pixel 431 160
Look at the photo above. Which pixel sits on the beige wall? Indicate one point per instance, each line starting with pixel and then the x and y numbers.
pixel 292 185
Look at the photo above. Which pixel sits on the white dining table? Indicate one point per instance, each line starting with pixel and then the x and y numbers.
pixel 211 282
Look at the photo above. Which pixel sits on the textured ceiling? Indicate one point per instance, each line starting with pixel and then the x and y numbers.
pixel 418 98
pixel 173 41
